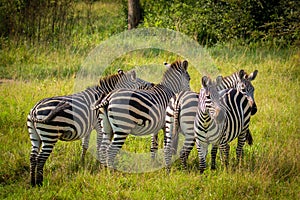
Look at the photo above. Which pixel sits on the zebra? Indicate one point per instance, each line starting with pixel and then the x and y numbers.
pixel 138 112
pixel 181 113
pixel 69 118
pixel 220 118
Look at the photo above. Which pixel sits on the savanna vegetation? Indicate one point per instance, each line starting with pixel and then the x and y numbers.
pixel 44 43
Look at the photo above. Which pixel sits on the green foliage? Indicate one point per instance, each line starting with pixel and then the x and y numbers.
pixel 59 22
pixel 210 21
pixel 62 54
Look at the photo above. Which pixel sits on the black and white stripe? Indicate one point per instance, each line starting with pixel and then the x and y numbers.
pixel 139 112
pixel 181 113
pixel 220 118
pixel 69 118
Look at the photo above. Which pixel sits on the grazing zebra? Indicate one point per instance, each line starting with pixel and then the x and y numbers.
pixel 181 113
pixel 220 118
pixel 138 112
pixel 69 118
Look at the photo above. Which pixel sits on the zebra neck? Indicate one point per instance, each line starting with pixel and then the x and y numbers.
pixel 92 93
pixel 170 86
pixel 207 121
pixel 106 87
pixel 229 82
pixel 159 88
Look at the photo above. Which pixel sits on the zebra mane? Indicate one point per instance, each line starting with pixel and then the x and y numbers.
pixel 177 65
pixel 111 79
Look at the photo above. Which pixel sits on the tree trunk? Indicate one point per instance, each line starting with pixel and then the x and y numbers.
pixel 134 13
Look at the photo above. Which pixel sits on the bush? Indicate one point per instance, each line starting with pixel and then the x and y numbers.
pixel 212 21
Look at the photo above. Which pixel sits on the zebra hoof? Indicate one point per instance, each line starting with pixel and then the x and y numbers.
pixel 39 183
pixel 201 170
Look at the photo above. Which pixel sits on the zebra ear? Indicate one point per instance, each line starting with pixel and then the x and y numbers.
pixel 252 76
pixel 185 64
pixel 133 75
pixel 204 82
pixel 241 74
pixel 120 72
pixel 219 80
pixel 167 64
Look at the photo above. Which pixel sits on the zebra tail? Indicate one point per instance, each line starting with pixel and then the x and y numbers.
pixel 249 138
pixel 61 106
pixel 175 130
pixel 101 102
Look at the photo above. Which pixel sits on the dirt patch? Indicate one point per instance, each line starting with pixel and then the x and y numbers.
pixel 7 81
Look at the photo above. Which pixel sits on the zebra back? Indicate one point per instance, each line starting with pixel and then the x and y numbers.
pixel 122 80
pixel 54 105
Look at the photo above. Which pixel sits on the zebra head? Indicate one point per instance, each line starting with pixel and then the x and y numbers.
pixel 209 99
pixel 177 77
pixel 123 80
pixel 245 86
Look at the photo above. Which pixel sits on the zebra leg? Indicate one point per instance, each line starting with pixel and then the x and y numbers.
pixel 115 146
pixel 202 151
pixel 35 148
pixel 175 141
pixel 106 135
pixel 41 159
pixel 168 150
pixel 224 150
pixel 239 149
pixel 103 149
pixel 154 145
pixel 249 138
pixel 33 157
pixel 85 145
pixel 99 139
pixel 33 162
pixel 214 151
pixel 186 149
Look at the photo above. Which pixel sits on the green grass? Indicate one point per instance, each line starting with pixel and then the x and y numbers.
pixel 270 169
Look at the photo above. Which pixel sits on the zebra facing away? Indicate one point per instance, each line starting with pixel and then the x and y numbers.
pixel 220 118
pixel 138 112
pixel 69 118
pixel 181 113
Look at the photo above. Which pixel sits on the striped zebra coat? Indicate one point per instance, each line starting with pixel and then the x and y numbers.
pixel 181 113
pixel 69 118
pixel 220 118
pixel 138 112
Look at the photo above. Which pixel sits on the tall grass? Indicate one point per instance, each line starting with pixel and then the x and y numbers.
pixel 270 169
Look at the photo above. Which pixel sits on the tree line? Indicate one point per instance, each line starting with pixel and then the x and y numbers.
pixel 207 21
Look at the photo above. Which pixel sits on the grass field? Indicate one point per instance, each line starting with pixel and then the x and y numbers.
pixel 270 169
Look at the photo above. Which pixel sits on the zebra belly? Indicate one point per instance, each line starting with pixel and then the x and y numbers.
pixel 145 128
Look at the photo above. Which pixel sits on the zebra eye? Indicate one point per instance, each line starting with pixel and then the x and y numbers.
pixel 243 87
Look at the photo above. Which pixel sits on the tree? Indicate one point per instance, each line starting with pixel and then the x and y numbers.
pixel 134 13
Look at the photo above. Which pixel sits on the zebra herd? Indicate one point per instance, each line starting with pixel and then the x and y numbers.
pixel 123 104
